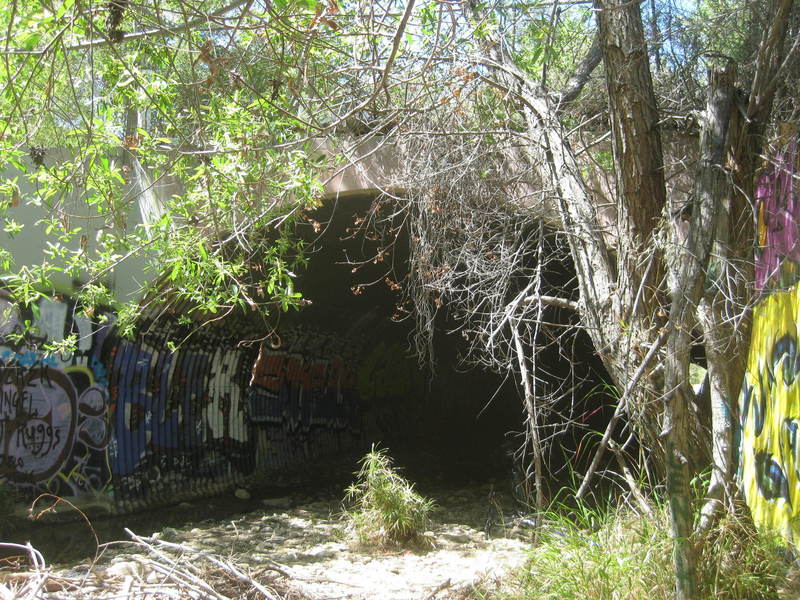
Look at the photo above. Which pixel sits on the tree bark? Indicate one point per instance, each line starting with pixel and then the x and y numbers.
pixel 634 118
pixel 724 312
pixel 687 271
pixel 639 296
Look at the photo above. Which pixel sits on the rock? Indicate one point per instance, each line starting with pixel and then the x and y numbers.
pixel 153 577
pixel 457 538
pixel 242 494
pixel 124 569
pixel 282 502
pixel 315 555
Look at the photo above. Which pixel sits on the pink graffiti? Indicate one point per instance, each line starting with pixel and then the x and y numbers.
pixel 778 244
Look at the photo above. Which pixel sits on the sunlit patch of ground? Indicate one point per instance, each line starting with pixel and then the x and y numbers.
pixel 300 548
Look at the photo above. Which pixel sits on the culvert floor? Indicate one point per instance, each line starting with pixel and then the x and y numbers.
pixel 293 541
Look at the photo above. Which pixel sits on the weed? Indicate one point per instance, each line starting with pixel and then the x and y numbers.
pixel 617 554
pixel 621 556
pixel 736 562
pixel 385 508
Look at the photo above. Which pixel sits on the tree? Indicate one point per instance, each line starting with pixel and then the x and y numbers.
pixel 102 104
pixel 641 277
pixel 486 105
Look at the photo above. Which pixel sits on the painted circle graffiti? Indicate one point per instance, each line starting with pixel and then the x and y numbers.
pixel 38 415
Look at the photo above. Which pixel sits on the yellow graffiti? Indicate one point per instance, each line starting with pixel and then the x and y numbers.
pixel 81 369
pixel 770 413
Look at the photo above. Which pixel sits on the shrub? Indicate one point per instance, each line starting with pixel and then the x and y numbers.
pixel 617 554
pixel 385 509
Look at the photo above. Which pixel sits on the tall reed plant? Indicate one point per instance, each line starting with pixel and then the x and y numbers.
pixel 383 507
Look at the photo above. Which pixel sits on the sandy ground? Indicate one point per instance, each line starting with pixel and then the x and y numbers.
pixel 473 538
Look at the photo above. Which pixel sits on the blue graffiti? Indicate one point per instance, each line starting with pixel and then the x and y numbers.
pixel 29 359
pixel 99 371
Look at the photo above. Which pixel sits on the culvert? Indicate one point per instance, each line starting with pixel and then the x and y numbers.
pixel 453 416
pixel 125 425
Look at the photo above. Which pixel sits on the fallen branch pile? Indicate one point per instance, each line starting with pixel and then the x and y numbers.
pixel 158 570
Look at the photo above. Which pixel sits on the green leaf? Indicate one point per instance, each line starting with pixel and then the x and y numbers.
pixel 29 41
pixel 65 6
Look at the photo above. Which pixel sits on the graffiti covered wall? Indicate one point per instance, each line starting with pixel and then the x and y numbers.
pixel 178 417
pixel 770 411
pixel 769 462
pixel 54 430
pixel 303 398
pixel 135 423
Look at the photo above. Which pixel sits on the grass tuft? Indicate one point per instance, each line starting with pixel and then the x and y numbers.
pixel 385 509
pixel 737 562
pixel 620 556
pixel 617 554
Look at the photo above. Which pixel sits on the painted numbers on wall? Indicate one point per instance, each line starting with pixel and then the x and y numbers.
pixel 53 426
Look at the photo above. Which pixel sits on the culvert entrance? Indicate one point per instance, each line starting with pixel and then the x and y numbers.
pixel 441 420
pixel 454 417
pixel 145 426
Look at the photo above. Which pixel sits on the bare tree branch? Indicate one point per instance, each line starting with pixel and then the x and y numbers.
pixel 582 72
pixel 156 32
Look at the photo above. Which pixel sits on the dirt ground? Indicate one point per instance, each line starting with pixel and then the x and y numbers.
pixel 296 545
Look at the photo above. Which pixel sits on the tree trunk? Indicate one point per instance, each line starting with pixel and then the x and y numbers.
pixel 641 196
pixel 687 271
pixel 634 119
pixel 724 341
pixel 724 311
pixel 621 285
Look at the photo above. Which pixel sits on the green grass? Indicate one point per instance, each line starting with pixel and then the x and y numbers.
pixel 383 508
pixel 621 556
pixel 739 563
pixel 617 554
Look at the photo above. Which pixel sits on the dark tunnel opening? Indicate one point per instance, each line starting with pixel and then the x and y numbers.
pixel 457 418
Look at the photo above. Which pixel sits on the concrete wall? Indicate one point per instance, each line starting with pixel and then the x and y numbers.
pixel 370 167
pixel 72 212
pixel 127 424
pixel 130 423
